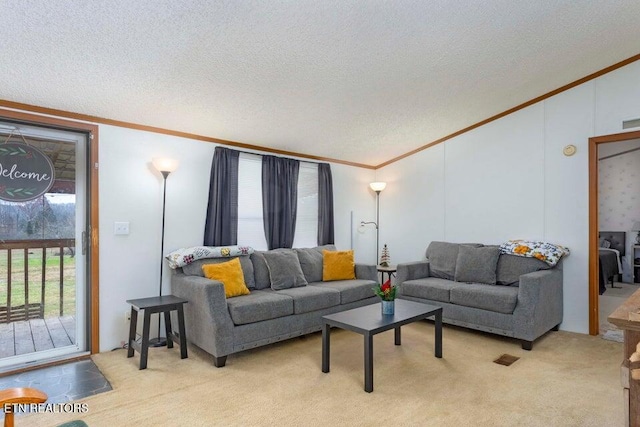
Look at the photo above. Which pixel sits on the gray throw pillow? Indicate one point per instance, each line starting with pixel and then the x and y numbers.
pixel 260 270
pixel 511 267
pixel 311 261
pixel 477 265
pixel 284 269
pixel 442 258
pixel 195 268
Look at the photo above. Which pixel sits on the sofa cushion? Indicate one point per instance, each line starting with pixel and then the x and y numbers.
pixel 477 264
pixel 442 258
pixel 501 299
pixel 338 265
pixel 311 261
pixel 431 288
pixel 350 290
pixel 284 269
pixel 511 267
pixel 195 268
pixel 258 306
pixel 230 275
pixel 312 298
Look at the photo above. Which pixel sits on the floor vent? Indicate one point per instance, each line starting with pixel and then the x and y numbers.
pixel 506 360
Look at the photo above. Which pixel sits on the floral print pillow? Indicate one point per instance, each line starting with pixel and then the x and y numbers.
pixel 547 252
pixel 185 256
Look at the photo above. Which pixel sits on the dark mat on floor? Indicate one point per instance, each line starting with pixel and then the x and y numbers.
pixel 62 383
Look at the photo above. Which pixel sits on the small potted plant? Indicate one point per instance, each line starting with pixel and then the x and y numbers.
pixel 387 293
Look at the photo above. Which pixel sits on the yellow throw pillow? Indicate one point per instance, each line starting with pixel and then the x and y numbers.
pixel 231 276
pixel 337 265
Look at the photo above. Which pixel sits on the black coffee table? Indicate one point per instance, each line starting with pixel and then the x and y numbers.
pixel 369 320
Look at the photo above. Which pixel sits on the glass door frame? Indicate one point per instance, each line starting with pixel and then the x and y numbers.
pixel 92 296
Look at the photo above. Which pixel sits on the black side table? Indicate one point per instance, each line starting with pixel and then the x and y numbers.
pixel 390 270
pixel 164 304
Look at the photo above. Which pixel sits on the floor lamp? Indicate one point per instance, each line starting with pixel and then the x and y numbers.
pixel 378 187
pixel 165 167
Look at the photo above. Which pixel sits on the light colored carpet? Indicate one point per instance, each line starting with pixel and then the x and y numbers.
pixel 567 380
pixel 622 290
pixel 607 303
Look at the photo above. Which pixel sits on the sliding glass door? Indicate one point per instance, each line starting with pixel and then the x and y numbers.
pixel 43 245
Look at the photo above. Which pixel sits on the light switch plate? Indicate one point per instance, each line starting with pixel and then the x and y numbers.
pixel 121 228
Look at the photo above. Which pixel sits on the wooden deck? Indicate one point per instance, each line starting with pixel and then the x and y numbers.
pixel 36 335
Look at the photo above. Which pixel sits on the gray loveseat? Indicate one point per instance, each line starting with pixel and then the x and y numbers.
pixel 224 326
pixel 481 289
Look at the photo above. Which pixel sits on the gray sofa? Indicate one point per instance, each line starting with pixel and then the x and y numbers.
pixel 479 288
pixel 224 326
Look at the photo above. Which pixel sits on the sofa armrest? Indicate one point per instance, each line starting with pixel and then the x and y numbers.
pixel 412 270
pixel 539 306
pixel 208 323
pixel 367 272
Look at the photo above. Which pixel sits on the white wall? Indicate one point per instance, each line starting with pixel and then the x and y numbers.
pixel 506 179
pixel 351 194
pixel 509 179
pixel 131 190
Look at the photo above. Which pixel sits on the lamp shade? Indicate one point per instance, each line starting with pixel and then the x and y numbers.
pixel 164 164
pixel 378 186
pixel 636 226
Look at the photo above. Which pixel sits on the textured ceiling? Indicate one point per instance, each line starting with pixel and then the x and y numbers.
pixel 363 81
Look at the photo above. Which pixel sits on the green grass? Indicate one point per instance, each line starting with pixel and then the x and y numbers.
pixel 52 280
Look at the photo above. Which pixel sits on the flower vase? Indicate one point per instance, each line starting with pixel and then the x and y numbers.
pixel 388 307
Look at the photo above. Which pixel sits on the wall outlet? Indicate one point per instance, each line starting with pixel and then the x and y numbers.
pixel 121 228
pixel 127 316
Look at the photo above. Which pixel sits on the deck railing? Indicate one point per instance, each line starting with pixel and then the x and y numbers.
pixel 31 309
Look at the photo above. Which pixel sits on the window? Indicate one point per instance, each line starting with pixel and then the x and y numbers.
pixel 250 221
pixel 306 234
pixel 250 225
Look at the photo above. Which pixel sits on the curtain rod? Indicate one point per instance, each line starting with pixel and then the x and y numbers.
pixel 258 154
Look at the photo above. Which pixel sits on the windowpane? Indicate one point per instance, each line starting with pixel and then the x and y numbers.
pixel 306 234
pixel 250 225
pixel 250 221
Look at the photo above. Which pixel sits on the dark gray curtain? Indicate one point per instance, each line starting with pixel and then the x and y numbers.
pixel 221 227
pixel 279 200
pixel 325 205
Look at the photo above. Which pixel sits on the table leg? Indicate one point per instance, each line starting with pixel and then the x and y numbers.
pixel 368 362
pixel 132 331
pixel 183 332
pixel 438 322
pixel 145 339
pixel 326 342
pixel 167 328
pixel 397 335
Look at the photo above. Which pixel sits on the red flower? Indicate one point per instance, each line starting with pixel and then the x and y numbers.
pixel 386 286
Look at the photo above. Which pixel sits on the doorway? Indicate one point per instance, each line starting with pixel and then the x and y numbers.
pixel 594 225
pixel 48 256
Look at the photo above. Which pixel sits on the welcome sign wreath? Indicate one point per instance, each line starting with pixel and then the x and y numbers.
pixel 25 172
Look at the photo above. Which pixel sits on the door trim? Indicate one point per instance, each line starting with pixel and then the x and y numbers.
pixel 92 134
pixel 594 320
